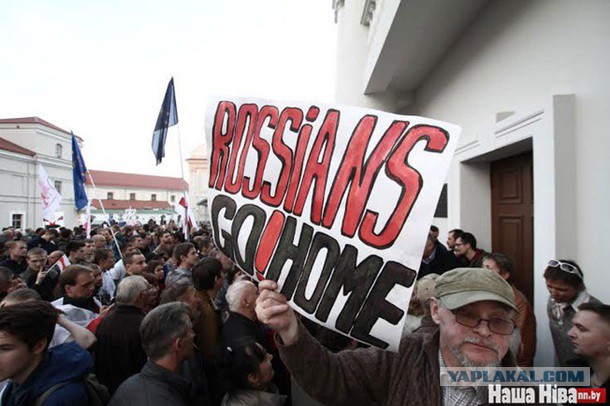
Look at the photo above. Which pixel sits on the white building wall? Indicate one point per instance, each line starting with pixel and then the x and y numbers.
pixel 515 61
pixel 121 193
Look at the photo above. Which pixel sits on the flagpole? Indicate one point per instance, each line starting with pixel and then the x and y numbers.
pixel 186 222
pixel 105 214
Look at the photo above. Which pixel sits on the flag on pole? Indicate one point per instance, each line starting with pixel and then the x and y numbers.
pixel 188 220
pixel 61 264
pixel 168 116
pixel 49 196
pixel 86 220
pixel 79 176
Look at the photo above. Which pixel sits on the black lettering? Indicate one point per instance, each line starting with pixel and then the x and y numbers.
pixel 287 250
pixel 376 306
pixel 320 241
pixel 259 215
pixel 223 202
pixel 355 280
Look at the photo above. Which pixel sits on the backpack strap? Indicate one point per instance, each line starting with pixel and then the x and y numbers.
pixel 45 395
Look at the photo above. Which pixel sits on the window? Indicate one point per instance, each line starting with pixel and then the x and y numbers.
pixel 172 198
pixel 58 150
pixel 132 196
pixel 441 207
pixel 17 220
pixel 57 185
pixel 110 196
pixel 153 197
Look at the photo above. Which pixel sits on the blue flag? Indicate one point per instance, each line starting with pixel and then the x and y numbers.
pixel 168 116
pixel 79 177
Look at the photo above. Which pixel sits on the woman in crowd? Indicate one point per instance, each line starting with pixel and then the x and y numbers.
pixel 246 372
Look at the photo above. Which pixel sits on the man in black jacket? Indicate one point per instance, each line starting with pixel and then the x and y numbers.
pixel 16 253
pixel 167 337
pixel 46 241
pixel 119 353
pixel 436 259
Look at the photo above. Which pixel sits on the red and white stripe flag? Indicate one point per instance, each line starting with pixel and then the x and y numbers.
pixel 62 263
pixel 188 217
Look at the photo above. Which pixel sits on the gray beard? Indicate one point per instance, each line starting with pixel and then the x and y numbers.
pixel 466 362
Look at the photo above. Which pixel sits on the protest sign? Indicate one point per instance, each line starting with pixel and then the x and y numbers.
pixel 332 202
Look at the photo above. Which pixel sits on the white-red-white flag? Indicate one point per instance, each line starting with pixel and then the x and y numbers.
pixel 62 263
pixel 49 196
pixel 189 215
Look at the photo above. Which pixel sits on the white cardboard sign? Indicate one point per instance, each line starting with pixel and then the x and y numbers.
pixel 332 202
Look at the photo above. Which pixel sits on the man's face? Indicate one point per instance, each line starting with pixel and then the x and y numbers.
pixel 83 288
pixel 16 358
pixel 560 291
pixel 139 243
pixel 54 257
pixel 138 263
pixel 450 240
pixel 147 240
pixel 107 235
pixel 99 241
pixel 459 247
pixel 107 263
pixel 19 251
pixel 37 262
pixel 88 250
pixel 471 346
pixel 590 335
pixel 191 258
pixel 49 236
pixel 167 239
pixel 79 254
pixel 490 264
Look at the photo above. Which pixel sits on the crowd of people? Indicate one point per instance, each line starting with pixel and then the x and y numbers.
pixel 141 315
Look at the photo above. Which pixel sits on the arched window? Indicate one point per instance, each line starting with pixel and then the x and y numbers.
pixel 58 150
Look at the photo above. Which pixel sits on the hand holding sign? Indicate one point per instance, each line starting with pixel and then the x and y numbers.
pixel 332 203
pixel 272 309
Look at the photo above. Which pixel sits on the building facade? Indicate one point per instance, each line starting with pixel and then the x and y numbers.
pixel 24 143
pixel 152 197
pixel 199 173
pixel 527 82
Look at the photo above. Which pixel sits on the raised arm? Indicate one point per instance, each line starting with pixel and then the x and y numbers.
pixel 349 377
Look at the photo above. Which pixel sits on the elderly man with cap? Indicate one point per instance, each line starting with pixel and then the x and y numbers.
pixel 474 309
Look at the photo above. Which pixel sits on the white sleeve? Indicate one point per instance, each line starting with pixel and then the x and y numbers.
pixel 60 336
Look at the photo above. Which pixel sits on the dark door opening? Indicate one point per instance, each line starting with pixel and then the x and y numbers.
pixel 512 216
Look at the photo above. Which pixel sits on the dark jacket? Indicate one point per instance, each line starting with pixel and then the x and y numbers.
pixel 238 327
pixel 48 246
pixel 365 376
pixel 119 353
pixel 442 262
pixel 151 387
pixel 16 267
pixel 46 288
pixel 63 363
pixel 475 262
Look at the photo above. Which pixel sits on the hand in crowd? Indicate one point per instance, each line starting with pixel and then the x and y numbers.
pixel 272 309
pixel 105 310
pixel 40 277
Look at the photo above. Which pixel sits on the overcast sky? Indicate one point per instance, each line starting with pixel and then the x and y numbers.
pixel 101 68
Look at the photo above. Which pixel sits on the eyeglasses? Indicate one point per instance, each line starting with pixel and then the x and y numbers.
pixel 496 325
pixel 566 267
